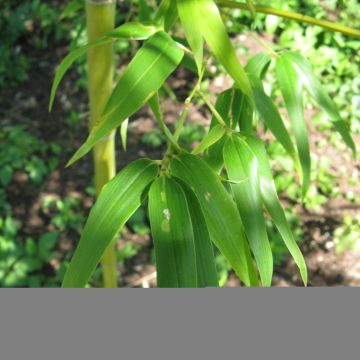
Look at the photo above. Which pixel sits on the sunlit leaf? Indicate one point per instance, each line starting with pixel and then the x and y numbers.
pixel 313 86
pixel 273 205
pixel 128 31
pixel 214 135
pixel 118 200
pixel 258 65
pixel 166 14
pixel 242 166
pixel 220 212
pixel 273 120
pixel 215 34
pixel 123 133
pixel 172 235
pixel 188 12
pixel 291 87
pixel 144 76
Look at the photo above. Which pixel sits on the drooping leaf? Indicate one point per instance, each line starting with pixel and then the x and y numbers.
pixel 313 86
pixel 273 205
pixel 214 135
pixel 291 87
pixel 188 11
pixel 118 200
pixel 205 262
pixel 172 235
pixel 220 212
pixel 214 155
pixel 166 14
pixel 215 34
pixel 130 31
pixel 273 119
pixel 242 111
pixel 144 76
pixel 155 107
pixel 258 65
pixel 242 166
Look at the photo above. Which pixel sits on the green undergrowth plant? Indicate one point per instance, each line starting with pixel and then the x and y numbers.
pixel 217 192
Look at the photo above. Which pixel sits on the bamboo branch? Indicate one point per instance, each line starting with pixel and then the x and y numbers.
pixel 293 16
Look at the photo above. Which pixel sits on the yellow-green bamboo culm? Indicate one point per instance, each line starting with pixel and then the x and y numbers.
pixel 100 18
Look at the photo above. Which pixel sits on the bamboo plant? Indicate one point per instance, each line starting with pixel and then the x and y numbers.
pixel 215 194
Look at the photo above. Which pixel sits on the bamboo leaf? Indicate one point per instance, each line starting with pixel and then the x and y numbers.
pixel 242 166
pixel 129 31
pixel 242 111
pixel 145 75
pixel 155 108
pixel 172 235
pixel 214 135
pixel 118 200
pixel 188 11
pixel 324 101
pixel 214 155
pixel 258 65
pixel 291 87
pixel 205 262
pixel 273 119
pixel 220 212
pixel 167 14
pixel 273 205
pixel 215 34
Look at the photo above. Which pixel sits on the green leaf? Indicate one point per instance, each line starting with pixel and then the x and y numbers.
pixel 315 90
pixel 242 111
pixel 214 135
pixel 215 34
pixel 130 31
pixel 242 166
pixel 172 235
pixel 214 155
pixel 251 6
pixel 118 200
pixel 273 205
pixel 258 65
pixel 291 87
pixel 220 212
pixel 188 11
pixel 205 262
pixel 155 107
pixel 144 76
pixel 166 15
pixel 273 119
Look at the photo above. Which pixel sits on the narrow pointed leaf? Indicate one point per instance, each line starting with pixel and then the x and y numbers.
pixel 214 155
pixel 273 205
pixel 167 14
pixel 242 111
pixel 144 76
pixel 130 31
pixel 172 235
pixel 242 166
pixel 155 107
pixel 214 135
pixel 220 212
pixel 189 11
pixel 258 65
pixel 118 200
pixel 273 119
pixel 291 87
pixel 205 262
pixel 215 34
pixel 313 86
